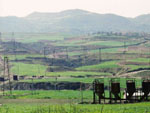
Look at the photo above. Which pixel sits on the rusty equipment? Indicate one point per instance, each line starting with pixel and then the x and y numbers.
pixel 145 89
pixel 130 89
pixel 115 93
pixel 130 93
pixel 98 86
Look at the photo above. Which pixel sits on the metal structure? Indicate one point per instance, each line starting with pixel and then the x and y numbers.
pixel 115 93
pixel 98 90
pixel 145 89
pixel 129 93
pixel 130 90
pixel 6 71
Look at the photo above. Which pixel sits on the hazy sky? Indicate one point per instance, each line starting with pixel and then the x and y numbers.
pixel 128 8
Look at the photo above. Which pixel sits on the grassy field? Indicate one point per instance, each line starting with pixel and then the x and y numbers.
pixel 109 64
pixel 109 50
pixel 22 57
pixel 136 67
pixel 73 108
pixel 140 60
pixel 106 43
pixel 84 80
pixel 67 101
pixel 106 80
pixel 28 69
pixel 35 37
pixel 145 73
pixel 37 69
pixel 62 79
pixel 50 94
pixel 78 73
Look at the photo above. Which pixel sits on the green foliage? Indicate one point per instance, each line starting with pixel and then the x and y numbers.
pixel 73 108
pixel 110 50
pixel 28 69
pixel 35 37
pixel 37 69
pixel 142 74
pixel 24 56
pixel 110 64
pixel 49 94
pixel 140 60
pixel 62 79
pixel 77 73
pixel 135 67
pixel 106 43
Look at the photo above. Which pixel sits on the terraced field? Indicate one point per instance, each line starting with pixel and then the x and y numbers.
pixel 65 58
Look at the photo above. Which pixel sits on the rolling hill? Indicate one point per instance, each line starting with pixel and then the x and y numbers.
pixel 74 21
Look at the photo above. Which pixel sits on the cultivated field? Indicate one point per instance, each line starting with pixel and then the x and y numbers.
pixel 70 63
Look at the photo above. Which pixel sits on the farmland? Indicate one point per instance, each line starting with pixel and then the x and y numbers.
pixel 45 107
pixel 63 60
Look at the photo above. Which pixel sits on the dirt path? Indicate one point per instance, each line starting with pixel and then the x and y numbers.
pixel 130 73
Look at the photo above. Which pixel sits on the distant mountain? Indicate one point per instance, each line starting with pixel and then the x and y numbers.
pixel 74 21
pixel 143 19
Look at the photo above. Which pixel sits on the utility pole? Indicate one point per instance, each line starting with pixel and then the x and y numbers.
pixel 67 53
pixel 45 57
pixel 53 57
pixel 100 57
pixel 7 66
pixel 124 51
pixel 44 52
pixel 124 47
pixel 4 78
pixel 0 38
pixel 84 54
pixel 32 87
pixel 14 45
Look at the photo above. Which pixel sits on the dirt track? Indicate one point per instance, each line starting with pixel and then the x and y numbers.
pixel 130 73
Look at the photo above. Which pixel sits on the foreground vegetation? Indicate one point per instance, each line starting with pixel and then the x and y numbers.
pixel 74 108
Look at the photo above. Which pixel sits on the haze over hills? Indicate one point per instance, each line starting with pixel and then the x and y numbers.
pixel 74 21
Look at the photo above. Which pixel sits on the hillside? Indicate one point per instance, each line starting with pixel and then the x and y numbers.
pixel 75 21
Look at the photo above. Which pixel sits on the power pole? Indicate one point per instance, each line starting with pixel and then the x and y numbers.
pixel 124 51
pixel 14 45
pixel 0 38
pixel 124 47
pixel 4 78
pixel 32 87
pixel 53 57
pixel 84 54
pixel 44 52
pixel 100 57
pixel 7 66
pixel 67 53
